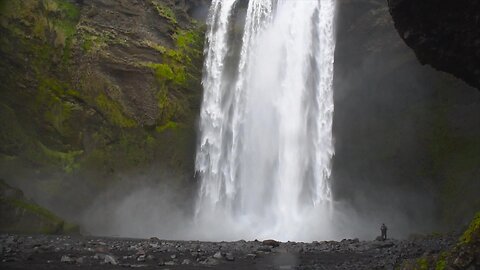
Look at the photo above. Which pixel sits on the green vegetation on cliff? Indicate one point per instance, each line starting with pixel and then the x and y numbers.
pixel 463 255
pixel 165 11
pixel 113 111
pixel 88 94
pixel 35 92
pixel 473 232
pixel 178 72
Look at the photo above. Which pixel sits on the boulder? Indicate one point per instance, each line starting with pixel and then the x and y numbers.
pixel 110 259
pixel 271 243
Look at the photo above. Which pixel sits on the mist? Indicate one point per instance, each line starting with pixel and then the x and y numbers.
pixel 138 208
pixel 157 210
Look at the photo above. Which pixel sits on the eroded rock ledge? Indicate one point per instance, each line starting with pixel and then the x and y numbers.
pixel 443 34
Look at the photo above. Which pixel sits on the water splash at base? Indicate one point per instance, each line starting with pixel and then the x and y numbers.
pixel 266 121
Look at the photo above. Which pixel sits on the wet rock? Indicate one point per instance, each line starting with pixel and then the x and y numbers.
pixel 229 257
pixel 218 255
pixel 210 261
pixel 271 243
pixel 29 257
pixel 170 263
pixel 138 265
pixel 264 249
pixel 10 240
pixel 251 255
pixel 80 260
pixel 382 244
pixel 141 258
pixel 110 259
pixel 67 259
pixel 99 256
pixel 195 254
pixel 348 254
pixel 463 260
pixel 101 249
pixel 10 259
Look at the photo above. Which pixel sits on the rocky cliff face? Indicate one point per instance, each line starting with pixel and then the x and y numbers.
pixel 93 89
pixel 443 34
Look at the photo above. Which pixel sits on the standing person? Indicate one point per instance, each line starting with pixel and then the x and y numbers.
pixel 384 231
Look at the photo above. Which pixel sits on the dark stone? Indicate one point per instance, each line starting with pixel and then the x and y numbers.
pixel 270 242
pixel 229 257
pixel 67 259
pixel 110 259
pixel 444 34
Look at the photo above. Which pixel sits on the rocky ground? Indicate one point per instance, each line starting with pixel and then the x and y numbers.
pixel 77 252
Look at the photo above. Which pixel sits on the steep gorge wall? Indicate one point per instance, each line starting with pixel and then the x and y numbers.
pixel 93 89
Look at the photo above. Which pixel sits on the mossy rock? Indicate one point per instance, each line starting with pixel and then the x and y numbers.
pixel 464 255
pixel 83 104
pixel 472 234
pixel 22 216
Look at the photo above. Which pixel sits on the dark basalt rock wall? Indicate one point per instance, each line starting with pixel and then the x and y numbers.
pixel 444 34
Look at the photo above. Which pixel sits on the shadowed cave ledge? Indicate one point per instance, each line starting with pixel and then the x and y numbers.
pixel 443 34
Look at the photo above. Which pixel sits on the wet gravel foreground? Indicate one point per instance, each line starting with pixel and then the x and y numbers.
pixel 76 252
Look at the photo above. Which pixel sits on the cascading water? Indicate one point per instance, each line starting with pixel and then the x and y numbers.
pixel 266 121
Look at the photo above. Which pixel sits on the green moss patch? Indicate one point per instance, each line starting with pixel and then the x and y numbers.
pixel 43 19
pixel 168 74
pixel 170 125
pixel 113 111
pixel 456 258
pixel 94 40
pixel 66 160
pixel 441 262
pixel 165 11
pixel 178 72
pixel 473 231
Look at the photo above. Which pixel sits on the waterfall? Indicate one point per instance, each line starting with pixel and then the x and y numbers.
pixel 265 145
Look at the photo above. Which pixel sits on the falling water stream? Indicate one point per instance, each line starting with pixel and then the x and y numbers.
pixel 265 147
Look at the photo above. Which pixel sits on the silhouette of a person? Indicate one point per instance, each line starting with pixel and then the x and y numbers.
pixel 384 231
